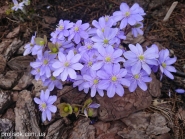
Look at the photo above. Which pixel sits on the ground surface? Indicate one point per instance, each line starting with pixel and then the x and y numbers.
pixel 162 116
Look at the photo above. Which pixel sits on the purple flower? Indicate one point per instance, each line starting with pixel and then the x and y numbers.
pixel 104 39
pixel 46 104
pixel 17 5
pixel 88 59
pixel 36 73
pixel 28 47
pixel 78 31
pixel 165 63
pixel 120 36
pixel 112 80
pixel 180 91
pixel 44 64
pixel 87 47
pixel 54 37
pixel 62 28
pixel 66 65
pixel 102 23
pixel 128 15
pixel 92 81
pixel 138 80
pixel 136 29
pixel 53 82
pixel 108 56
pixel 138 59
pixel 79 81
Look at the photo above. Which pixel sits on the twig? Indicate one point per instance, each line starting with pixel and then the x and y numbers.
pixel 174 4
pixel 12 20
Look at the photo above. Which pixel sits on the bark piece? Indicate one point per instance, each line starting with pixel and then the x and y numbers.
pixel 12 48
pixel 6 127
pixel 25 116
pixel 139 120
pixel 4 44
pixel 101 127
pixel 13 33
pixel 9 115
pixel 164 136
pixel 71 95
pixel 119 107
pixel 58 130
pixel 24 81
pixel 20 63
pixel 109 132
pixel 9 80
pixel 2 64
pixel 157 125
pixel 154 87
pixel 49 19
pixel 82 130
pixel 38 86
pixel 132 40
pixel 5 100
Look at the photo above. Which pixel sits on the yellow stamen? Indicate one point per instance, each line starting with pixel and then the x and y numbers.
pixel 45 62
pixel 136 76
pixel 107 59
pixel 114 78
pixel 127 14
pixel 54 50
pixel 106 41
pixel 89 63
pixel 95 81
pixel 141 57
pixel 61 27
pixel 53 78
pixel 43 105
pixel 89 47
pixel 76 28
pixel 164 65
pixel 66 64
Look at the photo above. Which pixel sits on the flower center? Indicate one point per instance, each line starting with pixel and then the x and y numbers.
pixel 106 41
pixel 38 70
pixel 102 30
pixel 89 63
pixel 89 47
pixel 43 106
pixel 61 27
pixel 66 64
pixel 45 62
pixel 106 18
pixel 54 50
pixel 41 43
pixel 53 78
pixel 76 109
pixel 141 57
pixel 107 59
pixel 66 109
pixel 164 65
pixel 127 14
pixel 114 78
pixel 95 81
pixel 76 29
pixel 136 76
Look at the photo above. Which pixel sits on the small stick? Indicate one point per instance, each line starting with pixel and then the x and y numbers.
pixel 174 4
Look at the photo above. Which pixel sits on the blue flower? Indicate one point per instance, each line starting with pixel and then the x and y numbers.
pixel 138 80
pixel 112 80
pixel 128 15
pixel 44 64
pixel 66 65
pixel 138 59
pixel 78 31
pixel 92 81
pixel 46 104
pixel 165 63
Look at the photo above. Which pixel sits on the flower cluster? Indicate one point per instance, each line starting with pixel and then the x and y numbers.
pixel 93 58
